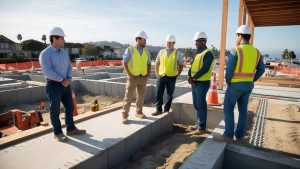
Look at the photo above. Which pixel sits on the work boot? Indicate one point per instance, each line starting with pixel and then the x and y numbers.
pixel 199 131
pixel 140 115
pixel 192 128
pixel 61 137
pixel 76 132
pixel 156 113
pixel 223 138
pixel 124 118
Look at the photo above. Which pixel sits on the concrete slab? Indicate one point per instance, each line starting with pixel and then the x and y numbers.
pixel 107 143
pixel 184 111
pixel 277 91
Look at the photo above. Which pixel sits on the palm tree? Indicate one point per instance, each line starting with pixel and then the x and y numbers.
pixel 19 37
pixel 285 54
pixel 44 38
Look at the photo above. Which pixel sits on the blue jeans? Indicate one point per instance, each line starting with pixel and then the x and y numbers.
pixel 236 93
pixel 199 91
pixel 161 84
pixel 58 93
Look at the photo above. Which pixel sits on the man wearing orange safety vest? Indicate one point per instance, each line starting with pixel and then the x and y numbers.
pixel 244 67
pixel 137 64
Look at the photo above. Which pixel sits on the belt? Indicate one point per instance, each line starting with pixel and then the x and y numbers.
pixel 52 81
pixel 140 75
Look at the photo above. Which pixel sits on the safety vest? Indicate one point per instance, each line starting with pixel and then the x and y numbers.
pixel 248 57
pixel 138 65
pixel 168 64
pixel 198 64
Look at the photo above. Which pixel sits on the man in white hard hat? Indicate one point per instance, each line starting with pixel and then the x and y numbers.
pixel 57 69
pixel 199 77
pixel 167 68
pixel 137 65
pixel 244 67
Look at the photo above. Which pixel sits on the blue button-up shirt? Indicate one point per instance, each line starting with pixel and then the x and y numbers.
pixel 260 69
pixel 169 51
pixel 127 55
pixel 55 64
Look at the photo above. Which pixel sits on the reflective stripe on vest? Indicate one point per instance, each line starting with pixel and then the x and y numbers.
pixel 198 64
pixel 168 65
pixel 245 72
pixel 137 64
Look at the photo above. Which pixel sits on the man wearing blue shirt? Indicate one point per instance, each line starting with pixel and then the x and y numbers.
pixel 245 66
pixel 57 69
pixel 137 65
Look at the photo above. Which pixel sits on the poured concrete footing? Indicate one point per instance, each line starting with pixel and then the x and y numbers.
pixel 107 143
pixel 219 155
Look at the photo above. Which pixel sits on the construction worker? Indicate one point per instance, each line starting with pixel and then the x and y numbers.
pixel 199 77
pixel 137 65
pixel 244 67
pixel 95 106
pixel 57 69
pixel 167 68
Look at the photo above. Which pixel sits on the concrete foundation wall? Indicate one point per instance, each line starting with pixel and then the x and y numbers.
pixel 184 111
pixel 251 158
pixel 24 95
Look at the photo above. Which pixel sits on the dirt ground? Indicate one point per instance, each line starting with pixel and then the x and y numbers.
pixel 167 152
pixel 282 126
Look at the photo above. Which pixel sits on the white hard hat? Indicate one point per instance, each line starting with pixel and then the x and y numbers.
pixel 170 38
pixel 57 31
pixel 244 29
pixel 200 35
pixel 141 34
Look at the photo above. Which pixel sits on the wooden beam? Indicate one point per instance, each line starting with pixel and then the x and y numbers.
pixel 242 13
pixel 251 25
pixel 295 6
pixel 223 43
pixel 268 2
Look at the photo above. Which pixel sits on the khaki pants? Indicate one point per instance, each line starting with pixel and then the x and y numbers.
pixel 139 84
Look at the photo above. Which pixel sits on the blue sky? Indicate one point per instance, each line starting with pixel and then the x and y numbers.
pixel 118 20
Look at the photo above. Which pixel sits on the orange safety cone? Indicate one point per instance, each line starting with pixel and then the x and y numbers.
pixel 75 113
pixel 213 94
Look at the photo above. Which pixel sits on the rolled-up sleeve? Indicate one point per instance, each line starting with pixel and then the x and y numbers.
pixel 180 58
pixel 46 68
pixel 126 56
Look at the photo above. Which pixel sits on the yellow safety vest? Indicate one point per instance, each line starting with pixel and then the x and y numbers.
pixel 248 57
pixel 198 64
pixel 168 64
pixel 137 64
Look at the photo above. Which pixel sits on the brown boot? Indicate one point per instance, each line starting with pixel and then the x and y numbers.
pixel 199 132
pixel 157 113
pixel 124 118
pixel 140 115
pixel 222 138
pixel 61 137
pixel 76 132
pixel 192 128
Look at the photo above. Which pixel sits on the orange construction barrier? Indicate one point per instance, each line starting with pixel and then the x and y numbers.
pixel 75 113
pixel 213 94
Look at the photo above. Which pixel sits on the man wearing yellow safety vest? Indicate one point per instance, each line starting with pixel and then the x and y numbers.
pixel 137 65
pixel 167 68
pixel 244 67
pixel 199 78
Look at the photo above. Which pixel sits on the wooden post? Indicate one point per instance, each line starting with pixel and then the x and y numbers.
pixel 241 13
pixel 251 25
pixel 223 43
